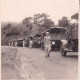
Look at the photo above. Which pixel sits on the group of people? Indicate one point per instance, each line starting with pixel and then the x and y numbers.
pixel 47 44
pixel 12 43
pixel 30 43
pixel 23 43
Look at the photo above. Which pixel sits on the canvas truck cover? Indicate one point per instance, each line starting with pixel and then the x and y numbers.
pixel 57 33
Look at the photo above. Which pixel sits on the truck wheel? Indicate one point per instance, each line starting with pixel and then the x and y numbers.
pixel 63 52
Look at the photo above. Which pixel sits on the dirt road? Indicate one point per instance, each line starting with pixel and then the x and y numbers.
pixel 55 67
pixel 34 64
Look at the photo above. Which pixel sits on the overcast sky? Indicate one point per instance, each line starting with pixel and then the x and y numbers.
pixel 17 10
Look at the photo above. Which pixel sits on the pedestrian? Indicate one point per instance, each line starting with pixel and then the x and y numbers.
pixel 16 43
pixel 12 44
pixel 47 44
pixel 9 44
pixel 23 43
pixel 30 43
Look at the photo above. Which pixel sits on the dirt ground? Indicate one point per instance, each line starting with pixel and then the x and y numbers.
pixel 34 65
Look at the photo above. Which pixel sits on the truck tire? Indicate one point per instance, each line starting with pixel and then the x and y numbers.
pixel 63 52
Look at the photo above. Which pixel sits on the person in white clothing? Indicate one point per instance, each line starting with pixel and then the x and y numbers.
pixel 12 44
pixel 16 43
pixel 23 43
pixel 9 44
pixel 47 44
pixel 30 43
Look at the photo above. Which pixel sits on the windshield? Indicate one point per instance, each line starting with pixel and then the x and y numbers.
pixel 57 31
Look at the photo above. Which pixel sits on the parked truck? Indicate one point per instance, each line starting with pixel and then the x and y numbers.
pixel 57 34
pixel 71 42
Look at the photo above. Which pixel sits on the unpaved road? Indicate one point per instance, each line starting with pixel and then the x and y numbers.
pixel 34 65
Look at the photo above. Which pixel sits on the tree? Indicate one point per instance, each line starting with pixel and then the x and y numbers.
pixel 8 26
pixel 6 29
pixel 48 23
pixel 63 22
pixel 28 22
pixel 13 31
pixel 43 21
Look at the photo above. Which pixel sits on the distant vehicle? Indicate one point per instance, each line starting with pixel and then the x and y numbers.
pixel 71 42
pixel 37 41
pixel 20 42
pixel 57 34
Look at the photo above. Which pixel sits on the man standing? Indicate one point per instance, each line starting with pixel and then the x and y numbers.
pixel 12 44
pixel 9 44
pixel 16 43
pixel 30 43
pixel 47 44
pixel 23 43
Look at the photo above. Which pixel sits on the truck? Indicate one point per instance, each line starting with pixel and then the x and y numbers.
pixel 37 41
pixel 71 42
pixel 57 34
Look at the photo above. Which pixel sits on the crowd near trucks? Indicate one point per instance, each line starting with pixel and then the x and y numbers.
pixel 24 42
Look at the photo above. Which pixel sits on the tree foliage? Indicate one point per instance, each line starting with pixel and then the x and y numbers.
pixel 28 23
pixel 43 21
pixel 63 22
pixel 8 32
pixel 6 29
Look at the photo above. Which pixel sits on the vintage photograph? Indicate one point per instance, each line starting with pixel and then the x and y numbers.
pixel 39 39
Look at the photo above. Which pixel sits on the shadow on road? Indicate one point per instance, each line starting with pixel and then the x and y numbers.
pixel 71 56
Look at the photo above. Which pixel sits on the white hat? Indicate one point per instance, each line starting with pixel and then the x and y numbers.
pixel 47 32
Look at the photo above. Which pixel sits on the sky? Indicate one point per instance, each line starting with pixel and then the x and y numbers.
pixel 17 10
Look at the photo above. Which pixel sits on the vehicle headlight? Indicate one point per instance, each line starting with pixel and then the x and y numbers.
pixel 53 42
